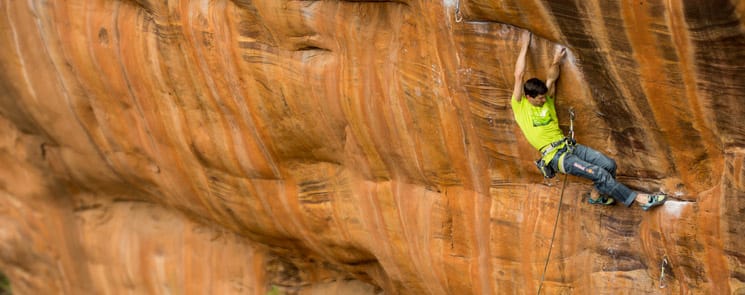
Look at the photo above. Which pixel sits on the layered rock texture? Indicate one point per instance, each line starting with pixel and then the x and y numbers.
pixel 364 147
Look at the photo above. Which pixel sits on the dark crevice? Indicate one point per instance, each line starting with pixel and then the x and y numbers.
pixel 402 2
pixel 87 207
pixel 311 48
pixel 362 262
pixel 43 150
pixel 145 5
pixel 315 199
pixel 128 200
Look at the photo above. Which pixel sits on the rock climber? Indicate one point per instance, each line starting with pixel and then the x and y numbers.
pixel 535 113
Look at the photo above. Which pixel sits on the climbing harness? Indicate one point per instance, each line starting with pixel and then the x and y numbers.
pixel 558 210
pixel 545 168
pixel 552 146
pixel 565 146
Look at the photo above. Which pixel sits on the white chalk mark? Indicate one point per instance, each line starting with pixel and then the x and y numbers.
pixel 675 207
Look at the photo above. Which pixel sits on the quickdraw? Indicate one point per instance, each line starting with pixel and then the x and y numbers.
pixel 458 15
pixel 662 272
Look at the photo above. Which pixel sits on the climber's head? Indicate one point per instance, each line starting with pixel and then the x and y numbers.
pixel 535 90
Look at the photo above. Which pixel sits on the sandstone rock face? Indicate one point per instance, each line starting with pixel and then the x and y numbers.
pixel 363 147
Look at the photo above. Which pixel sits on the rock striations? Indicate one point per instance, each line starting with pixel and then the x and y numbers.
pixel 363 147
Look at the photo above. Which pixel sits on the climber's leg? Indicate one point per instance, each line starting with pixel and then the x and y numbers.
pixel 593 156
pixel 604 181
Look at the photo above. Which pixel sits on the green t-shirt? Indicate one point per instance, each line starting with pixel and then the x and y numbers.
pixel 539 124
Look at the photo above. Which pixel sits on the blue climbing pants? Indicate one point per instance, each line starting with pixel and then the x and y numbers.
pixel 588 163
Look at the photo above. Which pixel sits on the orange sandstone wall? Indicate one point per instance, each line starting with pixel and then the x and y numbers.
pixel 363 147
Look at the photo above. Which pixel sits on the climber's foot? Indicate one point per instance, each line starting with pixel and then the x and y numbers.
pixel 654 200
pixel 596 198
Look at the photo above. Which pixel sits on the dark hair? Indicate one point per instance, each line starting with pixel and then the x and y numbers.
pixel 534 87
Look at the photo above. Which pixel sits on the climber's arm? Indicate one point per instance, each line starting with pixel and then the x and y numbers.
pixel 517 93
pixel 553 71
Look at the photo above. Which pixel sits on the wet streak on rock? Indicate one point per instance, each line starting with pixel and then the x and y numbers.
pixel 620 260
pixel 619 226
pixel 10 107
pixel 250 24
pixel 314 192
pixel 733 211
pixel 573 21
pixel 612 73
pixel 486 81
pixel 717 33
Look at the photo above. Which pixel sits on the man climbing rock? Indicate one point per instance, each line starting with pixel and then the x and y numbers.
pixel 535 113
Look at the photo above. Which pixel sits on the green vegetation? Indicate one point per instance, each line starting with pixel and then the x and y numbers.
pixel 273 291
pixel 4 285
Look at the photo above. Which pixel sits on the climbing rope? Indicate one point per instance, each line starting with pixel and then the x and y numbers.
pixel 558 211
pixel 553 235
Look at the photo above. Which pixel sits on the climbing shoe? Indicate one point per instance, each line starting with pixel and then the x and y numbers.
pixel 654 201
pixel 601 200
